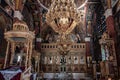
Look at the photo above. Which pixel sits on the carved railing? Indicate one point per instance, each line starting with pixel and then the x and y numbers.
pixel 54 46
pixel 20 26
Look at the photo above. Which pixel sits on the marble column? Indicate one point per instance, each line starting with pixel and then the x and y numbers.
pixel 7 51
pixel 110 20
pixel 38 32
pixel 89 43
pixel 30 53
pixel 111 25
pixel 12 52
pixel 27 55
pixel 39 63
pixel 88 38
pixel 87 46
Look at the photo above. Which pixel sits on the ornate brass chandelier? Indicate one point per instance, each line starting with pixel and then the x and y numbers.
pixel 63 16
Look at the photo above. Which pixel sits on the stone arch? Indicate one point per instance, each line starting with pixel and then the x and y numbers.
pixel 3 25
pixel 3 21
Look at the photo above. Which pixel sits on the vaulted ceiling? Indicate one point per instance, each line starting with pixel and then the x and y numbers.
pixel 34 7
pixel 47 3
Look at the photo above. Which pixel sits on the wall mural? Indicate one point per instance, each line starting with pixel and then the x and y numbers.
pixel 48 35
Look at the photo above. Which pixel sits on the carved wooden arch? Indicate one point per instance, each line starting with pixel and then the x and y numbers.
pixel 28 16
pixel 3 26
pixel 3 23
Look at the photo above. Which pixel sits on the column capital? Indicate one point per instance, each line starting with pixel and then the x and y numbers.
pixel 108 13
pixel 87 39
pixel 18 14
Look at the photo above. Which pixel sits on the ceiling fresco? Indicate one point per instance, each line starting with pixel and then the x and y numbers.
pixel 46 3
pixel 38 6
